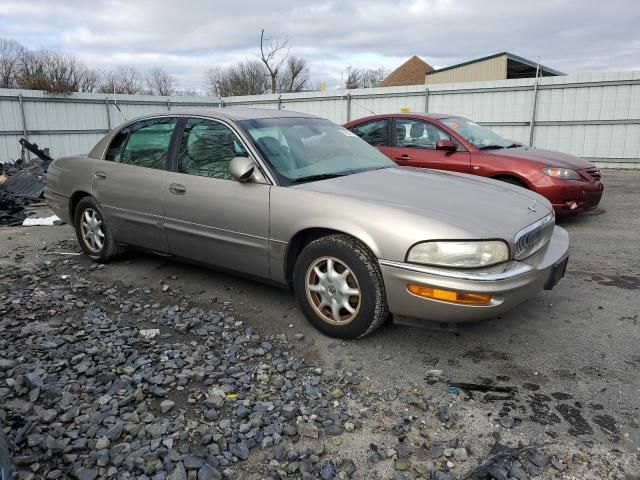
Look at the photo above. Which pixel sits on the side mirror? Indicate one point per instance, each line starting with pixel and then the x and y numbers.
pixel 241 168
pixel 446 145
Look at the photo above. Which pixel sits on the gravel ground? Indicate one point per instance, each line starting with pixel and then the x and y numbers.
pixel 151 368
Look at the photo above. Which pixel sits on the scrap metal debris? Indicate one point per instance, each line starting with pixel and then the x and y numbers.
pixel 501 462
pixel 22 183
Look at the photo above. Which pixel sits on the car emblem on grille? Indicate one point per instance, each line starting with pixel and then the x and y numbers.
pixel 532 207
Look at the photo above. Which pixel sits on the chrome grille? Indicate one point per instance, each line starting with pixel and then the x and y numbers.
pixel 532 238
pixel 594 173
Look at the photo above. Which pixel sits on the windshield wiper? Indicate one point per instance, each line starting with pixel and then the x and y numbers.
pixel 515 145
pixel 320 176
pixel 490 147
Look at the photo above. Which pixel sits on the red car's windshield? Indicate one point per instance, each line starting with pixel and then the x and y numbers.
pixel 479 136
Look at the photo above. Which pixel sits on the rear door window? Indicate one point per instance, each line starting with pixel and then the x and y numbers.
pixel 375 132
pixel 143 144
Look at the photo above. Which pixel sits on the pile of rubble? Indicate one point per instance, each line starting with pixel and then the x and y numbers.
pixel 22 183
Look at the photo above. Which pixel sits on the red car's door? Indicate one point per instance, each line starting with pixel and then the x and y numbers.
pixel 415 146
pixel 376 133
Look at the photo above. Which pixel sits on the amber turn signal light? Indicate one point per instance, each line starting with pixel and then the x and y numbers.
pixel 449 295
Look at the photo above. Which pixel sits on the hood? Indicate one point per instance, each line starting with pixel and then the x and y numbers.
pixel 482 207
pixel 547 158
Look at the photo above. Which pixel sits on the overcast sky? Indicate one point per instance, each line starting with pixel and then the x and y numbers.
pixel 187 37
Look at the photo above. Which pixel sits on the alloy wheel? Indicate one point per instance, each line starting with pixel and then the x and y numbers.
pixel 333 290
pixel 91 230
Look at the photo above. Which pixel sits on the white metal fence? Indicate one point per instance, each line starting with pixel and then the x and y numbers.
pixel 593 116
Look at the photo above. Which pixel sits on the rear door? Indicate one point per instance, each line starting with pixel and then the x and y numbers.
pixel 376 133
pixel 129 182
pixel 415 146
pixel 209 216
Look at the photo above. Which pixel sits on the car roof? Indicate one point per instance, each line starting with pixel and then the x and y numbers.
pixel 431 116
pixel 229 113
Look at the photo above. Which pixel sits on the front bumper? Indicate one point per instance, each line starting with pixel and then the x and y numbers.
pixel 570 196
pixel 509 284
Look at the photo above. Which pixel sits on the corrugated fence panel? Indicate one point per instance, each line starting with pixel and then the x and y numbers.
pixel 9 148
pixel 10 119
pixel 595 116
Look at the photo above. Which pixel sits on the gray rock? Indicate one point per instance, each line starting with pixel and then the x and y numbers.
pixel 507 421
pixel 289 411
pixel 85 474
pixel 441 475
pixel 308 430
pixel 56 445
pixel 240 450
pixel 207 472
pixel 327 471
pixel 436 451
pixel 178 473
pixel 460 453
pixel 192 462
pixel 166 405
pixel 243 411
pixel 333 430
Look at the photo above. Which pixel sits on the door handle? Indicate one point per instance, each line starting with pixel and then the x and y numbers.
pixel 177 189
pixel 404 157
pixel 100 175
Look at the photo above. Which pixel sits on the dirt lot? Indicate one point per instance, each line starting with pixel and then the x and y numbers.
pixel 573 355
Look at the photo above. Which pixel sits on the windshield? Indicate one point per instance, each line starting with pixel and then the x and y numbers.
pixel 308 149
pixel 481 137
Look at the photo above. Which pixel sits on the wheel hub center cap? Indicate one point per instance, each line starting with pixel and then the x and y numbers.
pixel 331 290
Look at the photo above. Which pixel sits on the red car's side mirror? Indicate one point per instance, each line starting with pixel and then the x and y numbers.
pixel 446 145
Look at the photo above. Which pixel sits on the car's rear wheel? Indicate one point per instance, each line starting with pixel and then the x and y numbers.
pixel 339 287
pixel 94 235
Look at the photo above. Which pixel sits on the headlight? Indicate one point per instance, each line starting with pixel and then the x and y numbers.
pixel 561 173
pixel 459 254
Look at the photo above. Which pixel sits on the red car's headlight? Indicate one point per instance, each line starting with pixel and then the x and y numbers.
pixel 561 173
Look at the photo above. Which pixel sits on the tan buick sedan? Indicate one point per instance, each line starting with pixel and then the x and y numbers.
pixel 302 202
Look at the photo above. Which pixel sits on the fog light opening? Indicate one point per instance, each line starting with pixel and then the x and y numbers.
pixel 449 295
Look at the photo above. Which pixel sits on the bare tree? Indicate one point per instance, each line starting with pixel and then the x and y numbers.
pixel 123 79
pixel 353 78
pixel 273 55
pixel 32 74
pixel 87 80
pixel 10 54
pixel 246 78
pixel 373 77
pixel 160 82
pixel 364 78
pixel 295 75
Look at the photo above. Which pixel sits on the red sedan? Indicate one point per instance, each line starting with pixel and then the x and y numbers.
pixel 448 142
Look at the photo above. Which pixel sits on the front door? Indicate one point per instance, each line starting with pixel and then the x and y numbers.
pixel 209 216
pixel 129 182
pixel 415 146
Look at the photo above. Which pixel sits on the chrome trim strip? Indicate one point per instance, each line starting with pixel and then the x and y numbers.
pixel 179 222
pixel 543 222
pixel 510 270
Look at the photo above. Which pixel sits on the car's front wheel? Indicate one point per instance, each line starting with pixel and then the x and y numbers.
pixel 92 231
pixel 339 287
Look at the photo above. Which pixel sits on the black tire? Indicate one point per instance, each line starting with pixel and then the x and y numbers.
pixel 513 181
pixel 109 247
pixel 370 306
